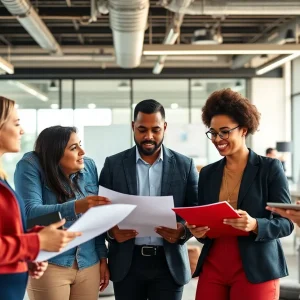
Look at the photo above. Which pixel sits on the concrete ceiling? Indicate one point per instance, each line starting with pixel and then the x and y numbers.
pixel 70 23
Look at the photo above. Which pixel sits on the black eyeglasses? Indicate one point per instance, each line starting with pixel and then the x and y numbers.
pixel 223 134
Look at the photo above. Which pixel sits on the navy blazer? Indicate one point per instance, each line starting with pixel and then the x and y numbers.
pixel 263 181
pixel 179 179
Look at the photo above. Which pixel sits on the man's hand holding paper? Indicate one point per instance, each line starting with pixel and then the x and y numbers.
pixel 150 213
pixel 169 234
pixel 122 235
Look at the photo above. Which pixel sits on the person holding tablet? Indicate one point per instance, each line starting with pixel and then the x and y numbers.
pixel 243 267
pixel 291 212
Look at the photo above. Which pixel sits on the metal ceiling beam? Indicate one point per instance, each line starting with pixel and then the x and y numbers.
pixel 275 37
pixel 228 49
pixel 140 73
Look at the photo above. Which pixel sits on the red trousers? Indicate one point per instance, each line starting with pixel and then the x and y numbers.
pixel 223 276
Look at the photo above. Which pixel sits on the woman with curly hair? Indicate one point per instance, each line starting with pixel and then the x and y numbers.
pixel 243 267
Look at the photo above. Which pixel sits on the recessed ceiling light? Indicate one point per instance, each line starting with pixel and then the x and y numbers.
pixel 91 105
pixel 54 106
pixel 174 105
pixel 197 86
pixel 123 86
pixel 53 86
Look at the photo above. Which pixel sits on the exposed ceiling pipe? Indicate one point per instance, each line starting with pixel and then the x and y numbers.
pixel 170 39
pixel 128 21
pixel 276 37
pixel 31 21
pixel 233 7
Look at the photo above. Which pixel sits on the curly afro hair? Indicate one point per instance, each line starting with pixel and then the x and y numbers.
pixel 234 105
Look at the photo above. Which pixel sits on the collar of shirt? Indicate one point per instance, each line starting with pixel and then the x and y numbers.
pixel 138 156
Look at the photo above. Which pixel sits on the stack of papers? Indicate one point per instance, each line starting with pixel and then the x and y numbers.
pixel 94 222
pixel 212 215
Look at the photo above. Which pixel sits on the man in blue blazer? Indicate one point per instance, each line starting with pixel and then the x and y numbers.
pixel 151 268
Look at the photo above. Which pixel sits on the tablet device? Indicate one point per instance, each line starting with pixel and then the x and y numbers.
pixel 45 220
pixel 284 205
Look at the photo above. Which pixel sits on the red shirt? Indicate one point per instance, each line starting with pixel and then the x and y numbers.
pixel 16 246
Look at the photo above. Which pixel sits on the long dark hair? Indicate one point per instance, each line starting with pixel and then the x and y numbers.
pixel 50 147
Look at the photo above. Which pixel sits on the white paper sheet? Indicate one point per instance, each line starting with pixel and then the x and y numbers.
pixel 93 223
pixel 150 212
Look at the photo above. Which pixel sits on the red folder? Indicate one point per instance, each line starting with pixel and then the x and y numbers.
pixel 211 215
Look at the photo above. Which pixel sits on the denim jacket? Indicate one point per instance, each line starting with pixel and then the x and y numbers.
pixel 39 200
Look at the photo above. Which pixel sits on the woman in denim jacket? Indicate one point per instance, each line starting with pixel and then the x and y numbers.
pixel 57 177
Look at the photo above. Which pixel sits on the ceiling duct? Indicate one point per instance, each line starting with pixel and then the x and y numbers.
pixel 280 36
pixel 31 21
pixel 233 7
pixel 128 21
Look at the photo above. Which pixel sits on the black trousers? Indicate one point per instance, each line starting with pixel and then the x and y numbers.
pixel 149 278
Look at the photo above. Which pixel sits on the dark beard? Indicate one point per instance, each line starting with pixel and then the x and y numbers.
pixel 150 151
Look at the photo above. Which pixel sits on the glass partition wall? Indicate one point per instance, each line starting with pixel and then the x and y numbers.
pixel 102 111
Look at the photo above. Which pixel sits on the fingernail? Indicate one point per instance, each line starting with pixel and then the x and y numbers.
pixel 158 227
pixel 225 220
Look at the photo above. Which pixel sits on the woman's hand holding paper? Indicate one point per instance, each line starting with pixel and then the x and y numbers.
pixel 245 223
pixel 197 232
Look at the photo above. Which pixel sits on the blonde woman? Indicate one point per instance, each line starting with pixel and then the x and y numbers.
pixel 17 247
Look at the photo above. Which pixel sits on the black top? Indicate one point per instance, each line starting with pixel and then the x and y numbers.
pixel 263 181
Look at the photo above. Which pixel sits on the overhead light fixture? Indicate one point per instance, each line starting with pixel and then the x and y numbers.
pixel 264 56
pixel 213 52
pixel 238 86
pixel 29 89
pixel 275 63
pixel 225 49
pixel 212 58
pixel 53 86
pixel 206 37
pixel 123 86
pixel 197 86
pixel 290 36
pixel 54 106
pixel 174 105
pixel 6 66
pixel 91 105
